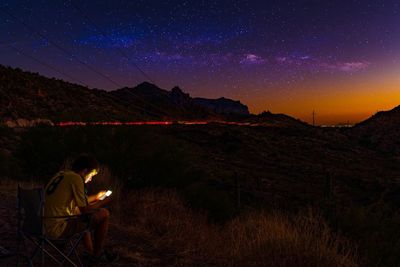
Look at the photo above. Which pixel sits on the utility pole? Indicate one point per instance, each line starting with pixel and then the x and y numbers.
pixel 313 117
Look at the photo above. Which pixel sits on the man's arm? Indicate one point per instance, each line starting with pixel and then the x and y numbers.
pixel 95 205
pixel 94 198
pixel 84 203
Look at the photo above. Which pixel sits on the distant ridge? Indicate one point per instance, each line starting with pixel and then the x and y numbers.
pixel 25 95
pixel 223 106
pixel 267 118
pixel 174 104
pixel 381 131
pixel 30 96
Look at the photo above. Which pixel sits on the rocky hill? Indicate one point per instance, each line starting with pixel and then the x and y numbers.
pixel 30 96
pixel 267 118
pixel 381 131
pixel 25 95
pixel 174 104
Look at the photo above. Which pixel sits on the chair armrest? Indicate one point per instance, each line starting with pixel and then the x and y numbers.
pixel 63 217
pixel 81 216
pixel 89 212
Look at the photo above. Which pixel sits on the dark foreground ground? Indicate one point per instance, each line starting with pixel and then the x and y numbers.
pixel 225 171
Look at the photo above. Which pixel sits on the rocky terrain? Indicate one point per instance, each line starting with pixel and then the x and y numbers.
pixel 381 131
pixel 165 105
pixel 31 97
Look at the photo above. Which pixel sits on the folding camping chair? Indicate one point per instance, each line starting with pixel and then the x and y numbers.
pixel 31 227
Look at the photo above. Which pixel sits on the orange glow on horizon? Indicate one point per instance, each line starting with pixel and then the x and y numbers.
pixel 350 99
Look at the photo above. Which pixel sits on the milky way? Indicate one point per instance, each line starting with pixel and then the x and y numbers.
pixel 285 56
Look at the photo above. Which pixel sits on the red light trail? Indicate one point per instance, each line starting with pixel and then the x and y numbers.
pixel 118 123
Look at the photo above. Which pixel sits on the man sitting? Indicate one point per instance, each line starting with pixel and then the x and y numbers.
pixel 65 195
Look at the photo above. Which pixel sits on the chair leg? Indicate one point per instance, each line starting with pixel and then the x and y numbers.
pixel 37 250
pixel 78 258
pixel 21 241
pixel 18 248
pixel 65 257
pixel 40 246
pixel 78 241
pixel 42 252
pixel 21 252
pixel 74 245
pixel 75 252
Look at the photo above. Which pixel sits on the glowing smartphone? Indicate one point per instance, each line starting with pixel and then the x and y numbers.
pixel 107 194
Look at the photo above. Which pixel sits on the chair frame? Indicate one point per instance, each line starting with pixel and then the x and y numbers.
pixel 41 240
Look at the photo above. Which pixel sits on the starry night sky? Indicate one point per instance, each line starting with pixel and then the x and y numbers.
pixel 339 58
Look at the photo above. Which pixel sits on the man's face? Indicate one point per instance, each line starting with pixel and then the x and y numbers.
pixel 88 177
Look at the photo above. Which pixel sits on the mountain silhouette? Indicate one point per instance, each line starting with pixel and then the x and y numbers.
pixel 381 131
pixel 174 104
pixel 30 96
pixel 223 106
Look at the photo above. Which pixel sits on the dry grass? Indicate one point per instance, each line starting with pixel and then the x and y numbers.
pixel 276 240
pixel 159 228
pixel 154 228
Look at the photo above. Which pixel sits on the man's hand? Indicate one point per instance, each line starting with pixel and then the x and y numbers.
pixel 100 194
pixel 97 197
pixel 95 204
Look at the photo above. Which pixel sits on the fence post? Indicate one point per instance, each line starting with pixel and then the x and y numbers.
pixel 330 202
pixel 237 189
pixel 328 194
